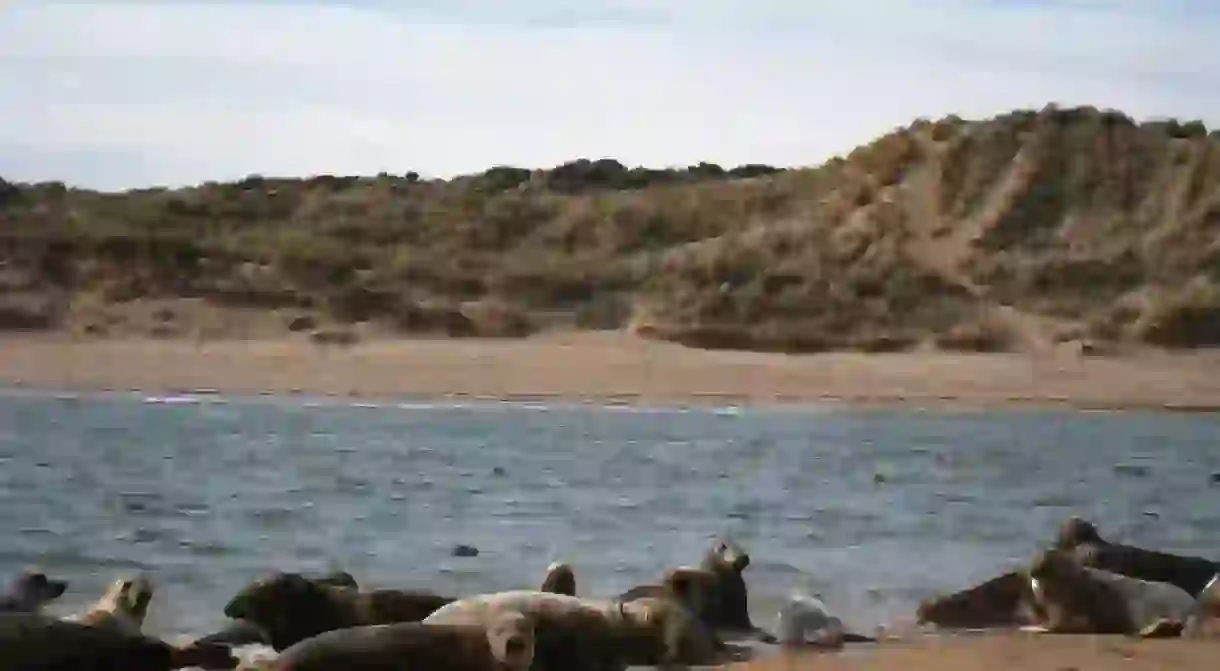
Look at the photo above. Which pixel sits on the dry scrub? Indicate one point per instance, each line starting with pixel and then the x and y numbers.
pixel 978 235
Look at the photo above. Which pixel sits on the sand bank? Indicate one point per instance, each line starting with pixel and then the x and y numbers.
pixel 610 367
pixel 1007 652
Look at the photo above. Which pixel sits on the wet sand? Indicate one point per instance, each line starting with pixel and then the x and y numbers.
pixel 611 367
pixel 1015 651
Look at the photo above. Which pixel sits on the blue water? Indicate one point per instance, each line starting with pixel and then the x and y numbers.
pixel 207 494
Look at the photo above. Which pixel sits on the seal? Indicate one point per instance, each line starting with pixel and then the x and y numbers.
pixel 1081 537
pixel 243 632
pixel 29 591
pixel 1081 599
pixel 559 579
pixel 123 607
pixel 289 608
pixel 504 643
pixel 804 620
pixel 573 632
pixel 32 641
pixel 729 561
pixel 1004 601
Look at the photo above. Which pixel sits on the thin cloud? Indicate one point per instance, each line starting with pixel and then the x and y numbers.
pixel 123 94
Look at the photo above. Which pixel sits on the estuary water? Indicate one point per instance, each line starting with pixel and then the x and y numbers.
pixel 871 508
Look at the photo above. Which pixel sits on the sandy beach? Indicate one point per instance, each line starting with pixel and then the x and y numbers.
pixel 611 367
pixel 1014 651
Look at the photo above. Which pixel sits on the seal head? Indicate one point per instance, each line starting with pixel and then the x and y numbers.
pixel 30 590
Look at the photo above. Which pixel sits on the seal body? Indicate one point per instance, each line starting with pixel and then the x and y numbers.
pixel 124 606
pixel 1081 599
pixel 715 591
pixel 243 632
pixel 30 642
pixel 576 633
pixel 288 608
pixel 698 590
pixel 505 643
pixel 29 591
pixel 729 561
pixel 1082 539
pixel 1004 601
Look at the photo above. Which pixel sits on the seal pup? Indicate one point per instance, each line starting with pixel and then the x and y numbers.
pixel 288 608
pixel 1003 601
pixel 505 642
pixel 123 606
pixel 31 642
pixel 803 615
pixel 1081 599
pixel 1082 539
pixel 559 579
pixel 581 633
pixel 29 591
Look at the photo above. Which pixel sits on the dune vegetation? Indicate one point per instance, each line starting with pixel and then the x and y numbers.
pixel 1011 233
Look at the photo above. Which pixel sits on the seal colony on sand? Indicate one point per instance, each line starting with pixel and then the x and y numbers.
pixel 327 621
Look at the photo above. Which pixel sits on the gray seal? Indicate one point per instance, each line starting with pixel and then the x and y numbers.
pixel 504 643
pixel 1080 599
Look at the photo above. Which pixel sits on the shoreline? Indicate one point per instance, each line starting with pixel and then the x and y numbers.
pixel 610 369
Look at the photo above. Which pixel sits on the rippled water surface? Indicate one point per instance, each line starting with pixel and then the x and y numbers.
pixel 874 509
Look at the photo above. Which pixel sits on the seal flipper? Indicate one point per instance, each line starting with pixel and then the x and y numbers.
pixel 237 634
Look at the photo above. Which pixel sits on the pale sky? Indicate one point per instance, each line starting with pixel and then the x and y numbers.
pixel 123 94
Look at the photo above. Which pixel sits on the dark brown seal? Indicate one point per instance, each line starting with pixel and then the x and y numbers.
pixel 29 591
pixel 504 643
pixel 729 561
pixel 1082 538
pixel 289 607
pixel 1003 601
pixel 243 632
pixel 560 579
pixel 30 642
